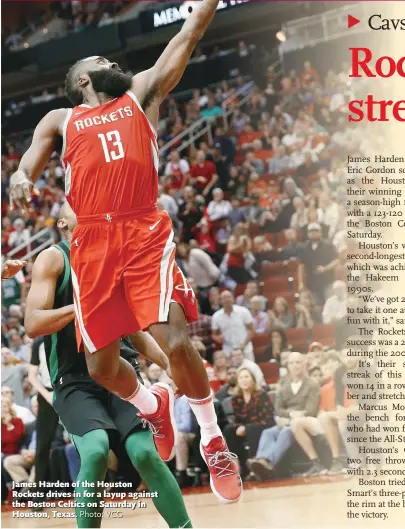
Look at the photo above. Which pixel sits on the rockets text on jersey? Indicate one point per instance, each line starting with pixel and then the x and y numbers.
pixel 110 157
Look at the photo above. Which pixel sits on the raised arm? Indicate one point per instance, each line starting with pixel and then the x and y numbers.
pixel 34 160
pixel 40 318
pixel 153 85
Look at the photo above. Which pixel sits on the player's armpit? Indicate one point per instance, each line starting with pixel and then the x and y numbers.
pixel 40 318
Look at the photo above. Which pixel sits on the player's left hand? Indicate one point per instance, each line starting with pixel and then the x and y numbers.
pixel 11 268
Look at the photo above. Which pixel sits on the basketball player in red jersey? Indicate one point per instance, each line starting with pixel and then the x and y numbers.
pixel 123 256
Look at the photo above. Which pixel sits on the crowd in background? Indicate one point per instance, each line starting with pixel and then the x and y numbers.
pixel 77 16
pixel 258 211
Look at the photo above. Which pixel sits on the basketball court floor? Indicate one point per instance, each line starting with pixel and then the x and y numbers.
pixel 292 504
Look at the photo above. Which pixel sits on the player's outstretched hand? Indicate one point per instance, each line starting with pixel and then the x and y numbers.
pixel 11 268
pixel 21 191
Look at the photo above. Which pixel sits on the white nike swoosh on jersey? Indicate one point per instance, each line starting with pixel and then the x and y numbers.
pixel 154 225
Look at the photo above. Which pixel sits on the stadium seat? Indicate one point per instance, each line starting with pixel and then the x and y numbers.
pixel 298 339
pixel 271 270
pixel 292 267
pixel 270 371
pixel 277 284
pixel 325 334
pixel 228 409
pixel 239 290
pixel 271 237
pixel 260 353
pixel 254 230
pixel 260 339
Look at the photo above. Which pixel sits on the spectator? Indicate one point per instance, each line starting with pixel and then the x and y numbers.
pixel 229 389
pixel 330 422
pixel 20 466
pixel 154 373
pixel 205 237
pixel 28 392
pixel 169 204
pixel 178 171
pixel 218 208
pixel 306 312
pixel 300 217
pixel 278 344
pixel 190 213
pixel 18 349
pixel 261 320
pixel 213 302
pixel 220 366
pixel 254 212
pixel 251 291
pixel 280 316
pixel 203 174
pixel 264 251
pixel 335 308
pixel 253 413
pixel 12 434
pixel 232 327
pixel 19 236
pixel 239 256
pixel 212 109
pixel 307 169
pixel 226 145
pixel 186 430
pixel 13 290
pixel 239 360
pixel 12 375
pixel 318 260
pixel 292 249
pixel 280 163
pixel 253 164
pixel 21 412
pixel 198 264
pixel 298 397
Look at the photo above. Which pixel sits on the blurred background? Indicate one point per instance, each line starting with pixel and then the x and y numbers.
pixel 253 144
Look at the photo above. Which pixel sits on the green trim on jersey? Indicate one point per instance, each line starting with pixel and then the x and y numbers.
pixel 66 272
pixel 53 359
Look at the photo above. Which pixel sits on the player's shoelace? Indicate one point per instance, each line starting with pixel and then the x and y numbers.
pixel 155 427
pixel 219 459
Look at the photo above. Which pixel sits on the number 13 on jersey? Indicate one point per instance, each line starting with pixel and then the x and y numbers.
pixel 112 145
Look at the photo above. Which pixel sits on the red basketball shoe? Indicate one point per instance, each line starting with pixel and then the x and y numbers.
pixel 162 422
pixel 224 476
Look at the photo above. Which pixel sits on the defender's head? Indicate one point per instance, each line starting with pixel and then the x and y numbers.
pixel 95 75
pixel 67 220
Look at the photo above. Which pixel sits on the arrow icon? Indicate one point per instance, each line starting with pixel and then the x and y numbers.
pixel 352 21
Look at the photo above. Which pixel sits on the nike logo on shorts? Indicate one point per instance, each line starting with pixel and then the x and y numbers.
pixel 154 225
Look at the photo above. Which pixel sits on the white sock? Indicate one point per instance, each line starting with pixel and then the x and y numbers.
pixel 144 400
pixel 204 412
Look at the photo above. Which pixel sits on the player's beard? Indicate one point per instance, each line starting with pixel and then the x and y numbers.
pixel 110 82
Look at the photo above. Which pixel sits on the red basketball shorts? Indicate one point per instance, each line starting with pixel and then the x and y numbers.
pixel 125 276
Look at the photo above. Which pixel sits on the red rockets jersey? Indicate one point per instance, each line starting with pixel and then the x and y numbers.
pixel 110 157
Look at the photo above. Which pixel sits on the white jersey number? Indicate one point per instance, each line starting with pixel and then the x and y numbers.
pixel 113 137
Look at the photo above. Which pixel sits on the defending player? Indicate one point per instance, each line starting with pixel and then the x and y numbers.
pixel 94 418
pixel 123 256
